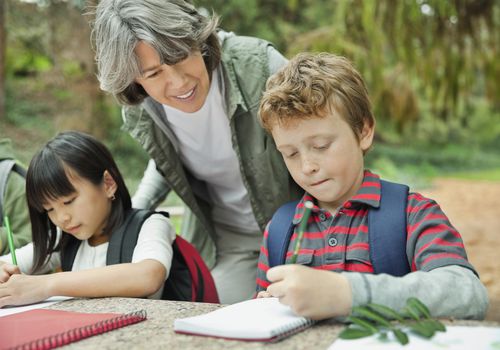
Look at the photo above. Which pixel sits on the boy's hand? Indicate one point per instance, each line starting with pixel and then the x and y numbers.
pixel 7 270
pixel 316 294
pixel 264 294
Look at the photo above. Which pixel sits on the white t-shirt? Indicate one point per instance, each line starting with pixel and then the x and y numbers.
pixel 205 148
pixel 154 242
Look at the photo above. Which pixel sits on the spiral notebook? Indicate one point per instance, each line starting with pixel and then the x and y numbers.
pixel 48 329
pixel 264 319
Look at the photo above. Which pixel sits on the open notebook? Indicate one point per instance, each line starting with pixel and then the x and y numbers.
pixel 263 319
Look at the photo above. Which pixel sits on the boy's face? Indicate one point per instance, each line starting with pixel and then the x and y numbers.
pixel 324 157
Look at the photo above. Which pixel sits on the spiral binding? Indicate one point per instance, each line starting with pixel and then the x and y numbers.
pixel 292 328
pixel 77 334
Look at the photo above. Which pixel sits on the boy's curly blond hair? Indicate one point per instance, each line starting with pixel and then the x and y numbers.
pixel 313 85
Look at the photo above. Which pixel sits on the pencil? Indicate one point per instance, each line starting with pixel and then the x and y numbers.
pixel 10 238
pixel 302 227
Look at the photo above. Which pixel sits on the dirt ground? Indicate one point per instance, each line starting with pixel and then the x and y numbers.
pixel 474 209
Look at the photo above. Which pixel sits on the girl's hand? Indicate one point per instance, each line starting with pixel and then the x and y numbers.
pixel 7 270
pixel 23 289
pixel 312 293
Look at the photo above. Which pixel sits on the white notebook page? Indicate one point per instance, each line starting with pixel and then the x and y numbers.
pixel 262 318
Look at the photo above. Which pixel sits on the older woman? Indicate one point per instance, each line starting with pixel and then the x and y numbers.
pixel 190 96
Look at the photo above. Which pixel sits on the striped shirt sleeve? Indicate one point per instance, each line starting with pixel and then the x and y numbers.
pixel 432 241
pixel 263 263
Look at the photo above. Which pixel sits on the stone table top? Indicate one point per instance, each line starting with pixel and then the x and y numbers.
pixel 157 331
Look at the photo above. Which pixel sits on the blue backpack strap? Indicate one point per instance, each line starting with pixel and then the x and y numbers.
pixel 279 233
pixel 387 230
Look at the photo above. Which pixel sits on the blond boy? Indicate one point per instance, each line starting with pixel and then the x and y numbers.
pixel 319 114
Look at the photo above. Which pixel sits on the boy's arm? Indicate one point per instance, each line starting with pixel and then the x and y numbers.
pixel 442 276
pixel 450 291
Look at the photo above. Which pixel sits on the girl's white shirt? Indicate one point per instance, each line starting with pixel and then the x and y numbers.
pixel 154 242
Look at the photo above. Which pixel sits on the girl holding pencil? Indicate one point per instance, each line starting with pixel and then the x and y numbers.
pixel 75 190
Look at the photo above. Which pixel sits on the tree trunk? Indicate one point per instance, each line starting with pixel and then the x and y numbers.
pixel 3 38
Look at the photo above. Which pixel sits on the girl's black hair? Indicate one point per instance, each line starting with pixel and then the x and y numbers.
pixel 47 179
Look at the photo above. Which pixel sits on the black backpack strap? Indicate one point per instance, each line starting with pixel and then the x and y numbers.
pixel 6 166
pixel 279 233
pixel 68 251
pixel 387 230
pixel 124 239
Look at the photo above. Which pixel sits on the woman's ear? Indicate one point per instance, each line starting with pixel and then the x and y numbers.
pixel 110 185
pixel 366 137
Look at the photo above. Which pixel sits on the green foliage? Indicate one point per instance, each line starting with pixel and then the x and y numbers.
pixel 373 319
pixel 431 66
pixel 23 113
pixel 72 69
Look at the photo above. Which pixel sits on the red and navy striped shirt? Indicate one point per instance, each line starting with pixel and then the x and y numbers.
pixel 340 242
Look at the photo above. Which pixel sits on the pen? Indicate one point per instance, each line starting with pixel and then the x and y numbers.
pixel 11 240
pixel 303 223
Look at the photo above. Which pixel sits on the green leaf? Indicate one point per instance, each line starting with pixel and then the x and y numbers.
pixel 422 329
pixel 354 333
pixel 385 311
pixel 435 325
pixel 440 327
pixel 401 336
pixel 363 324
pixel 379 319
pixel 410 312
pixel 382 336
pixel 367 313
pixel 420 307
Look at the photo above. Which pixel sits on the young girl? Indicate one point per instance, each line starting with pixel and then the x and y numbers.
pixel 75 190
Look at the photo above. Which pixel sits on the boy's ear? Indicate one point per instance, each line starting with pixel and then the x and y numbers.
pixel 366 137
pixel 110 185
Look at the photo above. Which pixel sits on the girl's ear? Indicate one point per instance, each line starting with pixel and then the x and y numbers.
pixel 110 185
pixel 366 137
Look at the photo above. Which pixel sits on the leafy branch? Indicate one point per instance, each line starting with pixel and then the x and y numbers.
pixel 373 319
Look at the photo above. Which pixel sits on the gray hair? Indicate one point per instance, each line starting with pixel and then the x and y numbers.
pixel 174 28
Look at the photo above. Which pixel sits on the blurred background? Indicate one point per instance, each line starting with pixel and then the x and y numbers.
pixel 431 67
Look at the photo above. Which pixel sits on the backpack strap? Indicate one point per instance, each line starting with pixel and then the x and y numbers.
pixel 279 233
pixel 68 251
pixel 387 230
pixel 124 239
pixel 6 166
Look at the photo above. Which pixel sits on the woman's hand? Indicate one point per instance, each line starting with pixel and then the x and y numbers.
pixel 7 270
pixel 312 293
pixel 23 289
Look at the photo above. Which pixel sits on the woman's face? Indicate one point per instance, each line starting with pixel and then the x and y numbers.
pixel 183 86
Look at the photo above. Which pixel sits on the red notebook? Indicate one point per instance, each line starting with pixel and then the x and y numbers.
pixel 48 329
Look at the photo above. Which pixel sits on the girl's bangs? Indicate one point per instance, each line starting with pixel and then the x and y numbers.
pixel 47 180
